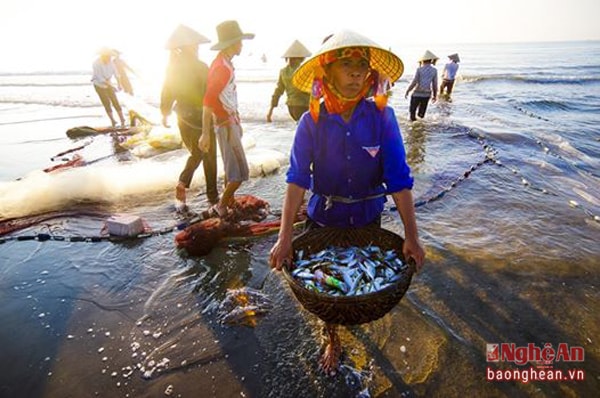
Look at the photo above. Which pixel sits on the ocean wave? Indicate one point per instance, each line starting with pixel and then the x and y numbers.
pixel 78 84
pixel 45 73
pixel 50 102
pixel 34 120
pixel 78 80
pixel 255 79
pixel 574 80
pixel 547 105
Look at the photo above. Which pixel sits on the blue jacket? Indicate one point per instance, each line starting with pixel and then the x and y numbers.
pixel 356 160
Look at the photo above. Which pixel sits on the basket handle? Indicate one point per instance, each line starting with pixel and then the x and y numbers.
pixel 412 266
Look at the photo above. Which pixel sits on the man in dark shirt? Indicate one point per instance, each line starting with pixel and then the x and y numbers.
pixel 184 87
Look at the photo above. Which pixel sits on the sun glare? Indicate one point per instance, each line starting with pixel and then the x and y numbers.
pixel 36 36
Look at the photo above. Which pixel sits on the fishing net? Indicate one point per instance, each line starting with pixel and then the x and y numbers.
pixel 248 218
pixel 9 225
pixel 200 238
pixel 75 161
pixel 349 310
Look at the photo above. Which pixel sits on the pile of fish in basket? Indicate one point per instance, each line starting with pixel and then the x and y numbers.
pixel 348 271
pixel 349 276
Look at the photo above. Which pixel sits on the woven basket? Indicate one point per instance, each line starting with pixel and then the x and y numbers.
pixel 349 310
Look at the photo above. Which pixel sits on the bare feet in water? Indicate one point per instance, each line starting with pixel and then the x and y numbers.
pixel 180 192
pixel 330 361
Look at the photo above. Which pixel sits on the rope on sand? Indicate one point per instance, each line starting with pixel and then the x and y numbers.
pixel 246 222
pixel 43 237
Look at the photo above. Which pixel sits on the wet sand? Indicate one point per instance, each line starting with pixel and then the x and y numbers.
pixel 431 344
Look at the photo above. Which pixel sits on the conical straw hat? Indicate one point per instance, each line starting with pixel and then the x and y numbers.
pixel 296 50
pixel 105 51
pixel 184 36
pixel 383 61
pixel 454 57
pixel 428 56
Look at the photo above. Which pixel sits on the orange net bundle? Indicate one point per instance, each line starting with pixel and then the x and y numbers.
pixel 199 239
pixel 247 219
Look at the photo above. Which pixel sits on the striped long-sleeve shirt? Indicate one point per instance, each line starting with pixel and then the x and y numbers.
pixel 425 81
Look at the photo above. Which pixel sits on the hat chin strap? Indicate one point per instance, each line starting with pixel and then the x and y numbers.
pixel 335 102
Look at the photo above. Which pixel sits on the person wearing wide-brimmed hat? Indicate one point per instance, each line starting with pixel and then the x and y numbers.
pixel 183 90
pixel 297 100
pixel 449 75
pixel 347 149
pixel 103 70
pixel 221 106
pixel 425 86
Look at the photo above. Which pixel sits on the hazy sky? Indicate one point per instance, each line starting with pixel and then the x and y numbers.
pixel 59 34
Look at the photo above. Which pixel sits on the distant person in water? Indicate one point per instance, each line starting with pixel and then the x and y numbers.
pixel 183 90
pixel 297 101
pixel 449 75
pixel 425 85
pixel 122 68
pixel 103 70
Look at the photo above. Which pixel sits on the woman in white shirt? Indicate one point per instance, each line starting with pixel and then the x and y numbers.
pixel 103 71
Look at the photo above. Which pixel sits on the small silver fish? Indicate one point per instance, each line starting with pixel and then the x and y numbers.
pixel 358 270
